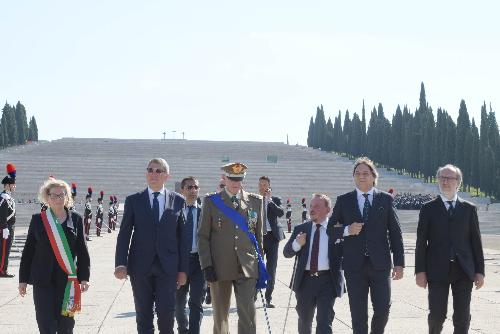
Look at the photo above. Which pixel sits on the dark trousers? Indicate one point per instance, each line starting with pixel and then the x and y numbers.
pixel 271 246
pixel 156 288
pixel 195 286
pixel 5 246
pixel 378 282
pixel 461 288
pixel 315 293
pixel 48 305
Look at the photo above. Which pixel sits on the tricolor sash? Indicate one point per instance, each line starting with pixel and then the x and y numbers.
pixel 241 222
pixel 72 295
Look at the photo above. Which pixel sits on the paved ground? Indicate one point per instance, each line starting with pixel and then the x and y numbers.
pixel 108 306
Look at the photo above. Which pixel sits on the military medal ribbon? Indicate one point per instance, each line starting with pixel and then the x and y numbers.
pixel 72 294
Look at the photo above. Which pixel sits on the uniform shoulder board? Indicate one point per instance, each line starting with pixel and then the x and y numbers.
pixel 210 194
pixel 5 195
pixel 257 196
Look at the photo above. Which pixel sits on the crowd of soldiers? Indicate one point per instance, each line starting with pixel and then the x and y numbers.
pixel 408 201
pixel 99 214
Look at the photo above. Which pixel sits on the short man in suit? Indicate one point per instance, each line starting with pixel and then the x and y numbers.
pixel 273 233
pixel 228 255
pixel 371 232
pixel 318 277
pixel 157 259
pixel 449 252
pixel 195 284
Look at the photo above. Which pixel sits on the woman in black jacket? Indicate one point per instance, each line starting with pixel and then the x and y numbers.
pixel 55 260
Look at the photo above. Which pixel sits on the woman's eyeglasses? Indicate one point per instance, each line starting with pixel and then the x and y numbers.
pixel 155 170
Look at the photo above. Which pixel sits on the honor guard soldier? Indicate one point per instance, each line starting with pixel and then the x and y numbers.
pixel 99 215
pixel 229 247
pixel 7 219
pixel 87 214
pixel 73 195
pixel 304 210
pixel 289 215
pixel 115 207
pixel 111 213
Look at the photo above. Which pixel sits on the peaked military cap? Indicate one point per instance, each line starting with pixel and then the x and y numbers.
pixel 235 171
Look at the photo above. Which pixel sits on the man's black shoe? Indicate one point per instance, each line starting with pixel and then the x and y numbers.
pixel 270 305
pixel 7 275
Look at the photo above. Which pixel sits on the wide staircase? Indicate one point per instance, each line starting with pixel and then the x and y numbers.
pixel 117 166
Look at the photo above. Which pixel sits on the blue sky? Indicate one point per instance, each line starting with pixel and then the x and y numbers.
pixel 234 70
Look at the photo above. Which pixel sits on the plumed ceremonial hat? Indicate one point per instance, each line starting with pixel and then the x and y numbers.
pixel 11 174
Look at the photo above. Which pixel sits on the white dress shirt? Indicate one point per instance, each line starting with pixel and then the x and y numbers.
pixel 361 204
pixel 268 225
pixel 194 246
pixel 323 262
pixel 162 199
pixel 445 201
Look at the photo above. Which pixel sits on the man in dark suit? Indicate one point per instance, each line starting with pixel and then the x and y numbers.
pixel 157 260
pixel 195 284
pixel 449 252
pixel 318 277
pixel 371 232
pixel 273 233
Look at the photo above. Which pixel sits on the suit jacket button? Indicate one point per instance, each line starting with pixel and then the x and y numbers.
pixel 236 226
pixel 236 237
pixel 235 248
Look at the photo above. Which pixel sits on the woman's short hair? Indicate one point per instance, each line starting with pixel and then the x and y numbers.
pixel 51 183
pixel 162 162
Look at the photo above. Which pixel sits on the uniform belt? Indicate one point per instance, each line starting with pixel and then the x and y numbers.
pixel 317 273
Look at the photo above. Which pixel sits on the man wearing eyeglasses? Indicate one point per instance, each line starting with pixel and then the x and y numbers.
pixel 195 284
pixel 449 252
pixel 157 260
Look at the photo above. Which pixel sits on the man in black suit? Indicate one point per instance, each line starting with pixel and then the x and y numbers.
pixel 157 260
pixel 273 233
pixel 371 232
pixel 195 284
pixel 318 277
pixel 449 252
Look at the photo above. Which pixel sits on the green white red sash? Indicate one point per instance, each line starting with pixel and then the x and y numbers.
pixel 72 295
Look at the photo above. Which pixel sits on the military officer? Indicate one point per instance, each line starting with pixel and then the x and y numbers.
pixel 228 255
pixel 73 196
pixel 7 219
pixel 289 215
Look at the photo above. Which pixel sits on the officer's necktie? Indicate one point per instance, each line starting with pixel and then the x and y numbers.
pixel 315 251
pixel 189 226
pixel 366 209
pixel 156 208
pixel 450 216
pixel 236 205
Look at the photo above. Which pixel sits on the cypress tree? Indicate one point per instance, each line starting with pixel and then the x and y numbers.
pixel 319 128
pixel 310 133
pixel 22 123
pixel 463 135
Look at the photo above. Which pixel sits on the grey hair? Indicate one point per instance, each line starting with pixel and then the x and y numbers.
pixel 325 198
pixel 162 162
pixel 453 168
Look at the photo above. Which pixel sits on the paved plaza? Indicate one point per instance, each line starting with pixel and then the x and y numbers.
pixel 108 306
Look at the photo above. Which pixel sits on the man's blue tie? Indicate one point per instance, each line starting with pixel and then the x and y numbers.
pixel 366 209
pixel 189 226
pixel 156 208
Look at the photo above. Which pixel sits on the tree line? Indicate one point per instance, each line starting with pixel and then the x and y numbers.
pixel 14 126
pixel 417 143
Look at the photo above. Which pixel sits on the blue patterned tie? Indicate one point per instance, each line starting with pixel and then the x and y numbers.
pixel 189 226
pixel 366 209
pixel 156 208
